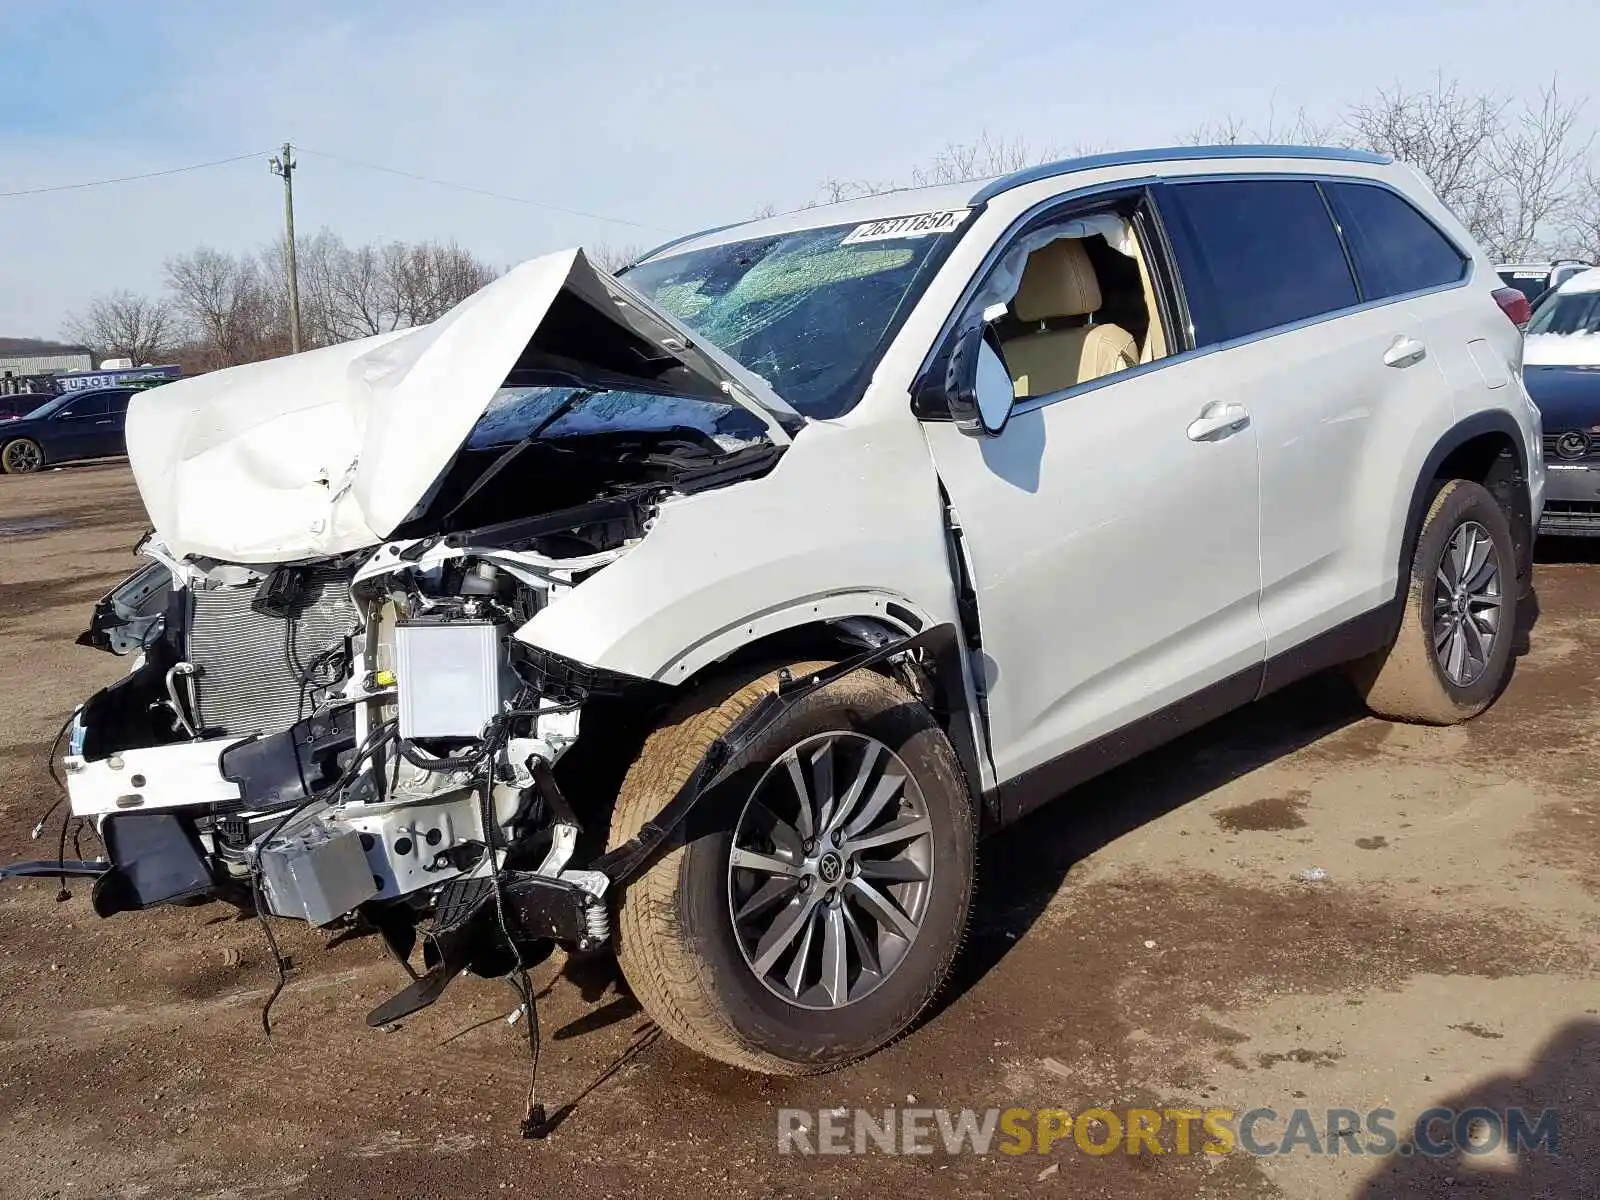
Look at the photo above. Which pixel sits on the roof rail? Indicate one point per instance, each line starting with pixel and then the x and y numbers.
pixel 1128 158
pixel 678 241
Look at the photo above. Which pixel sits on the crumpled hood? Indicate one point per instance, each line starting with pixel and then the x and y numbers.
pixel 328 451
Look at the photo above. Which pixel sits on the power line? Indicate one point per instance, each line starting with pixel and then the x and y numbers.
pixel 478 191
pixel 89 183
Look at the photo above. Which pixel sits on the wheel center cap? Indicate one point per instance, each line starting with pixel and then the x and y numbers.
pixel 830 867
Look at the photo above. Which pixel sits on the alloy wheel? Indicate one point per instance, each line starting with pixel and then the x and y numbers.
pixel 22 456
pixel 830 870
pixel 1466 604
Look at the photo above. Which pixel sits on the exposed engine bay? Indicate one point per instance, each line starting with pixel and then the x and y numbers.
pixel 356 739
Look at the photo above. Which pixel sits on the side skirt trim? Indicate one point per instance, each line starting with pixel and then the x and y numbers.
pixel 1358 636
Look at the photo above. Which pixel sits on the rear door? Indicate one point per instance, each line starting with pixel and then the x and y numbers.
pixel 111 427
pixel 1339 384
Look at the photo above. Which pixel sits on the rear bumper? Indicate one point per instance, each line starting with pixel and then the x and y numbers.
pixel 1571 499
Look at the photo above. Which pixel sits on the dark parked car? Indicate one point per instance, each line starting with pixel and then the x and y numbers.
pixel 67 428
pixel 20 404
pixel 1538 280
pixel 1561 368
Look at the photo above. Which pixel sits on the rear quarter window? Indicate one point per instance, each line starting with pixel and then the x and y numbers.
pixel 1395 248
pixel 1255 254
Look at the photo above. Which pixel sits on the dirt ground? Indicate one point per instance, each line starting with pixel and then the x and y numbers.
pixel 1143 942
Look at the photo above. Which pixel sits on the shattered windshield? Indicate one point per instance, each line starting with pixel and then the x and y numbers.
pixel 809 311
pixel 542 445
pixel 554 413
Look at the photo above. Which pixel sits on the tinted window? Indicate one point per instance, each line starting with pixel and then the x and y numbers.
pixel 88 406
pixel 1257 253
pixel 117 402
pixel 1396 249
pixel 1530 283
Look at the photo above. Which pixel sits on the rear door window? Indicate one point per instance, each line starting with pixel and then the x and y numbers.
pixel 1255 254
pixel 1395 248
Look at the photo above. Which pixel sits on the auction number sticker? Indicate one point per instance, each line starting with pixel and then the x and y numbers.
pixel 920 225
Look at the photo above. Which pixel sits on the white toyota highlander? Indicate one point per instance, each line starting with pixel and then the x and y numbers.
pixel 713 611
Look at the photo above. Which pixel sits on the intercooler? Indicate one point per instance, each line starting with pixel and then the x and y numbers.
pixel 256 672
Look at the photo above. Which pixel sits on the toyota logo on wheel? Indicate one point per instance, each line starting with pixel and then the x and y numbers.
pixel 1574 444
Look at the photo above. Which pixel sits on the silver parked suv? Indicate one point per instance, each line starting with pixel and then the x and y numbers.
pixel 712 612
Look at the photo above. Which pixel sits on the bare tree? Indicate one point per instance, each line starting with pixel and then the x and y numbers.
pixel 422 281
pixel 836 191
pixel 356 294
pixel 1581 237
pixel 125 325
pixel 353 292
pixel 1513 176
pixel 962 162
pixel 231 312
pixel 1227 130
pixel 956 162
pixel 613 258
pixel 1538 160
pixel 320 260
pixel 1445 134
pixel 1301 130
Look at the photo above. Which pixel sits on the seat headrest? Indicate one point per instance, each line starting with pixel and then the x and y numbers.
pixel 1058 281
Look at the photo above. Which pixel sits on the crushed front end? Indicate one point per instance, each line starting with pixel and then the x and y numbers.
pixel 331 716
pixel 355 739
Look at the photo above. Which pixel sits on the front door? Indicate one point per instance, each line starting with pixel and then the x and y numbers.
pixel 77 429
pixel 1112 533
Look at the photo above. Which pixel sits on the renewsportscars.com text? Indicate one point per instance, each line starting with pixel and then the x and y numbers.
pixel 1099 1131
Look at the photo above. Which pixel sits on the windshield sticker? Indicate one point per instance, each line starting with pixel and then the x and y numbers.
pixel 920 225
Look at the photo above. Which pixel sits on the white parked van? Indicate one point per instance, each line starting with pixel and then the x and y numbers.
pixel 713 612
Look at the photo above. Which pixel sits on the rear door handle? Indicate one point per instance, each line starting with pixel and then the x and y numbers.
pixel 1404 351
pixel 1217 421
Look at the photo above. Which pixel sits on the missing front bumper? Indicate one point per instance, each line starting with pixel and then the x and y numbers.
pixel 491 935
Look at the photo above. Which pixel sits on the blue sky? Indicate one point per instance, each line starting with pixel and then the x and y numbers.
pixel 671 116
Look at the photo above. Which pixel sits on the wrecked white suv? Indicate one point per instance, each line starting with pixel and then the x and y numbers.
pixel 712 612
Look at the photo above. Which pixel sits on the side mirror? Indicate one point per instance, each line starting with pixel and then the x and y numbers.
pixel 977 386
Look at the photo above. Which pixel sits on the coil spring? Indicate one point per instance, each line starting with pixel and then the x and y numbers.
pixel 598 919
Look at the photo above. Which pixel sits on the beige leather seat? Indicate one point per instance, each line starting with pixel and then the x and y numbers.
pixel 1059 281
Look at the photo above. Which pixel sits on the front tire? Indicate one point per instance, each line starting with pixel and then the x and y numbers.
pixel 21 456
pixel 806 916
pixel 1453 652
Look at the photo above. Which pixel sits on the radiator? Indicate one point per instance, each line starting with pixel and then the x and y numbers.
pixel 249 665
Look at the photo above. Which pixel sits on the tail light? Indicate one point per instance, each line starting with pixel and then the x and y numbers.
pixel 1515 306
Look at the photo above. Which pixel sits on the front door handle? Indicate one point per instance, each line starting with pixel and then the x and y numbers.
pixel 1217 421
pixel 1404 351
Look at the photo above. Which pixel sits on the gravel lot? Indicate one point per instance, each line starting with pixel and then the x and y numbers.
pixel 1143 942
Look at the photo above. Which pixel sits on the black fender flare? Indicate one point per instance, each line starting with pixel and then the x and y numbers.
pixel 723 757
pixel 1458 435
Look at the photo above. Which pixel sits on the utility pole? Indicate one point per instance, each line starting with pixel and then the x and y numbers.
pixel 284 165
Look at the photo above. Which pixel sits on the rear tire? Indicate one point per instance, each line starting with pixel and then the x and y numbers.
pixel 21 456
pixel 1453 652
pixel 693 964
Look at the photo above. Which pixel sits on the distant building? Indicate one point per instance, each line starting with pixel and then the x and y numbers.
pixel 32 356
